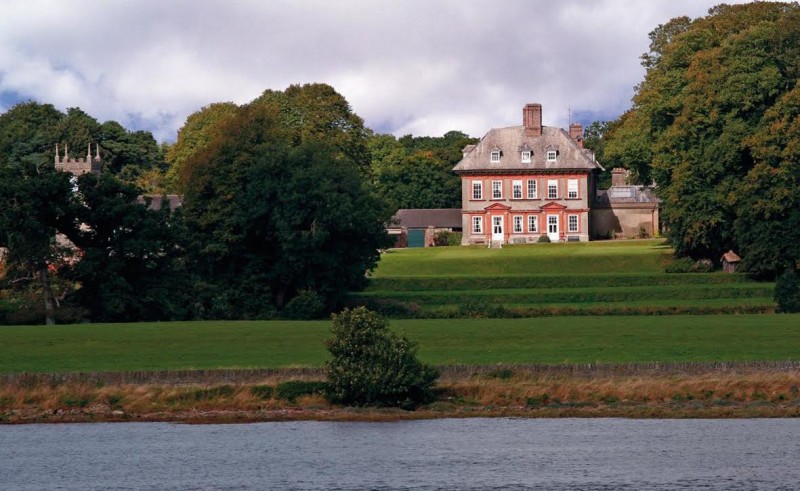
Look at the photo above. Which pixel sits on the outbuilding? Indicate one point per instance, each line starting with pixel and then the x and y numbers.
pixel 417 227
pixel 730 262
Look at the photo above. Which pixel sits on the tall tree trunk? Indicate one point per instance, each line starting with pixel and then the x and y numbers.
pixel 47 293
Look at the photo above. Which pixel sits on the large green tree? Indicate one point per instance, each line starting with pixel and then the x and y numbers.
pixel 317 113
pixel 271 216
pixel 194 135
pixel 130 265
pixel 416 172
pixel 709 87
pixel 36 204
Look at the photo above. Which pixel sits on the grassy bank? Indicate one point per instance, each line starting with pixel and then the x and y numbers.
pixel 596 278
pixel 584 258
pixel 748 393
pixel 198 345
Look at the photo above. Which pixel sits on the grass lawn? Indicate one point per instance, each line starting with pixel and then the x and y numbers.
pixel 610 277
pixel 185 345
pixel 641 256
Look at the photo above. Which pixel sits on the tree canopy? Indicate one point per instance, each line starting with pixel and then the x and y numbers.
pixel 416 172
pixel 712 123
pixel 271 218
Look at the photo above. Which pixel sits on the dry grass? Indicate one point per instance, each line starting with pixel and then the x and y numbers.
pixel 523 389
pixel 750 393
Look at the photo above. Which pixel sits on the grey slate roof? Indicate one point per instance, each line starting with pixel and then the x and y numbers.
pixel 422 218
pixel 512 140
pixel 626 194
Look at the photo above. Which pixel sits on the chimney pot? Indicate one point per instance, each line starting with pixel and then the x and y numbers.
pixel 618 176
pixel 576 133
pixel 532 119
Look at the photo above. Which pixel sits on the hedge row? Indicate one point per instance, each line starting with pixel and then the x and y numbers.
pixel 578 295
pixel 488 309
pixel 548 281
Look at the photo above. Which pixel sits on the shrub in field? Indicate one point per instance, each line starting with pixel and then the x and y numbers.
pixel 293 389
pixel 687 265
pixel 543 239
pixel 445 238
pixel 307 305
pixel 702 266
pixel 787 292
pixel 372 366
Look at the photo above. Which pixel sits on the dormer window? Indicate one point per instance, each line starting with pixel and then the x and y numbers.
pixel 551 155
pixel 495 156
pixel 526 157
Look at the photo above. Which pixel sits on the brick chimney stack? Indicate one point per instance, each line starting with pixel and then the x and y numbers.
pixel 618 177
pixel 532 119
pixel 576 133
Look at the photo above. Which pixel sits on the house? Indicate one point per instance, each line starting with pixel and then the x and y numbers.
pixel 417 227
pixel 522 182
pixel 625 210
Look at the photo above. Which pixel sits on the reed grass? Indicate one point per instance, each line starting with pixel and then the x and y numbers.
pixel 472 392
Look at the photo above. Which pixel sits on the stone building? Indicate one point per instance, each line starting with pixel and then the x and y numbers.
pixel 79 166
pixel 625 210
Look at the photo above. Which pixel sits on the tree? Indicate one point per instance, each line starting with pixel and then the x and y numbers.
pixel 27 134
pixel 36 204
pixel 317 113
pixel 270 219
pixel 787 292
pixel 130 261
pixel 417 172
pixel 196 133
pixel 709 88
pixel 594 138
pixel 370 365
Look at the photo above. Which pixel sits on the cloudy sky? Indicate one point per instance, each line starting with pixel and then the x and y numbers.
pixel 406 66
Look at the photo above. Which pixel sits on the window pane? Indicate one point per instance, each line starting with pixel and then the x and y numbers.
pixel 516 189
pixel 477 190
pixel 477 225
pixel 531 189
pixel 497 189
pixel 573 223
pixel 532 225
pixel 572 188
pixel 552 189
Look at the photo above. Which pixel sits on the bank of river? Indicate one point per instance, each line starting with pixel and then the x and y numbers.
pixel 728 393
pixel 474 454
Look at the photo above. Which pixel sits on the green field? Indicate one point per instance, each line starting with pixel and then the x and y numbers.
pixel 197 345
pixel 525 260
pixel 612 277
pixel 549 280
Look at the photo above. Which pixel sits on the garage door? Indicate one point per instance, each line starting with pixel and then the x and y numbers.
pixel 416 238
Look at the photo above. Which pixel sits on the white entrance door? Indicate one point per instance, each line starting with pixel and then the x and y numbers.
pixel 552 227
pixel 497 228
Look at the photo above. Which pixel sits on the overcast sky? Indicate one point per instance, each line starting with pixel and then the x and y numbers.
pixel 406 66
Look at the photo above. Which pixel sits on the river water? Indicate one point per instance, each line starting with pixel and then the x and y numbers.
pixel 469 454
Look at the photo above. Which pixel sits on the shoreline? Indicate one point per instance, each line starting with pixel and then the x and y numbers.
pixel 728 391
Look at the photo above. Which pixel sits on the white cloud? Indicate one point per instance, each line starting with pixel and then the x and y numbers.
pixel 420 67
